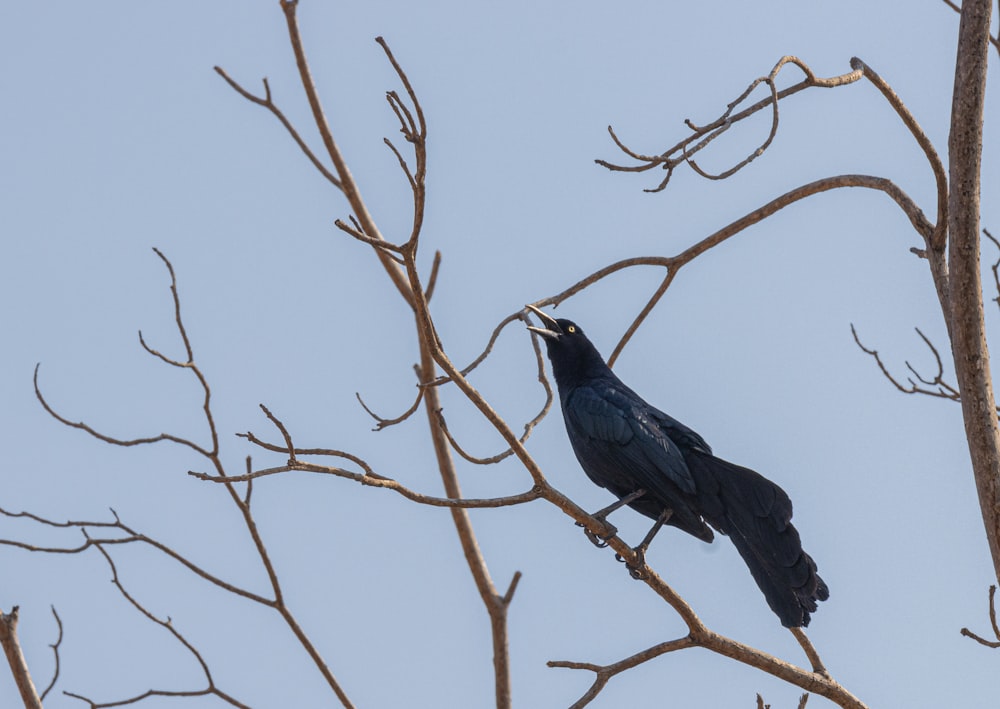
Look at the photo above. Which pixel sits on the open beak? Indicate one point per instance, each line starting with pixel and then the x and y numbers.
pixel 551 329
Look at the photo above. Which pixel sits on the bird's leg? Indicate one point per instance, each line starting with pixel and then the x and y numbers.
pixel 602 515
pixel 637 571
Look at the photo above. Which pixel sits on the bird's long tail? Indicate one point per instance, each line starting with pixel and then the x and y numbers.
pixel 756 514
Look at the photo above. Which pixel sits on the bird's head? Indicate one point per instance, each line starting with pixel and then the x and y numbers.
pixel 556 330
pixel 572 355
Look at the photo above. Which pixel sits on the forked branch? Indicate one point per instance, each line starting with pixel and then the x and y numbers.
pixel 703 135
pixel 210 688
pixel 994 39
pixel 993 624
pixel 673 264
pixel 935 385
pixel 211 454
pixel 604 673
pixel 401 268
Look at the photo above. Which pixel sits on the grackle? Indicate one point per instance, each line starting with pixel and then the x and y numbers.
pixel 665 471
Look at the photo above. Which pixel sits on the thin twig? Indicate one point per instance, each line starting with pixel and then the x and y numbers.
pixel 673 264
pixel 130 536
pixel 702 136
pixel 769 81
pixel 810 651
pixel 415 132
pixel 935 241
pixel 281 428
pixel 242 501
pixel 267 103
pixel 387 249
pixel 935 386
pixel 604 673
pixel 373 479
pixel 508 596
pixel 380 422
pixel 528 428
pixel 109 439
pixel 55 653
pixel 995 267
pixel 209 690
pixel 432 279
pixel 993 623
pixel 347 183
pixel 995 41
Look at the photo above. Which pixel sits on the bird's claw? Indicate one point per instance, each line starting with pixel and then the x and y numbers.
pixel 599 540
pixel 638 570
pixel 638 573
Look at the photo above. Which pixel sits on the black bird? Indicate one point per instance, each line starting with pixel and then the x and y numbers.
pixel 664 470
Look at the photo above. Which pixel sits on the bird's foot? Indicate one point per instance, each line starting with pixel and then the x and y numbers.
pixel 639 571
pixel 599 540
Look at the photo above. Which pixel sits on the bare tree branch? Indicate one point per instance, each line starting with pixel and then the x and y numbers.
pixel 267 103
pixel 210 688
pixel 15 659
pixel 518 316
pixel 375 480
pixel 968 329
pixel 55 653
pixel 995 267
pixel 436 369
pixel 769 82
pixel 432 279
pixel 604 673
pixel 939 388
pixel 369 477
pixel 109 439
pixel 389 250
pixel 993 623
pixel 995 41
pixel 810 651
pixel 406 280
pixel 801 705
pixel 242 501
pixel 129 536
pixel 675 263
pixel 816 682
pixel 415 132
pixel 386 422
pixel 702 136
pixel 530 425
pixel 937 239
pixel 347 183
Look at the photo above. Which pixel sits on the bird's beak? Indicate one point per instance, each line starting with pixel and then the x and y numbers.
pixel 551 329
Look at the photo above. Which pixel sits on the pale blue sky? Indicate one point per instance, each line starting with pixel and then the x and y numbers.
pixel 118 137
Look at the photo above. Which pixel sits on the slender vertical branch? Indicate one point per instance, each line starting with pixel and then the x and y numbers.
pixel 15 658
pixel 972 365
pixel 348 185
pixel 496 608
pixel 406 280
pixel 55 654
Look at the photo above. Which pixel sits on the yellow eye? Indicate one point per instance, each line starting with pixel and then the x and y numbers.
pixel 570 329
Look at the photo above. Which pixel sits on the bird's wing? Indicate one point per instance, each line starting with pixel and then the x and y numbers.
pixel 641 444
pixel 679 433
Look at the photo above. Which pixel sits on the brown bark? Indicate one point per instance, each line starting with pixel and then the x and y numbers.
pixel 972 365
pixel 15 658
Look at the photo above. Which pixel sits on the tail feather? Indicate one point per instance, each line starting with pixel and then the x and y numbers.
pixel 756 514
